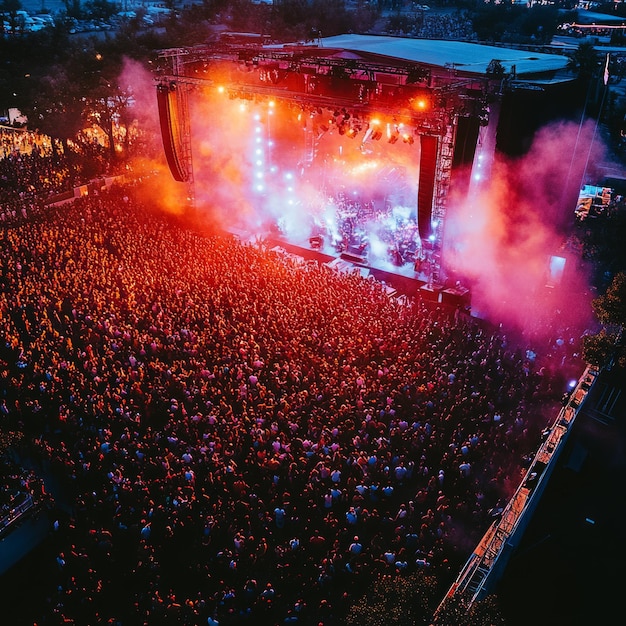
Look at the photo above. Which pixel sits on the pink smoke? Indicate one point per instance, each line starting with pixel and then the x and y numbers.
pixel 503 236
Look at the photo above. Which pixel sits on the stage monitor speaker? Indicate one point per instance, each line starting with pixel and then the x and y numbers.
pixel 458 297
pixel 316 242
pixel 352 258
pixel 170 131
pixel 432 293
pixel 428 166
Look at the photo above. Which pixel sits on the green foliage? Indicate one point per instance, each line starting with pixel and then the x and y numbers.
pixel 515 23
pixel 611 307
pixel 584 61
pixel 457 611
pixel 10 7
pixel 614 116
pixel 64 93
pixel 190 29
pixel 100 9
pixel 26 60
pixel 296 19
pixel 395 601
pixel 403 22
pixel 57 109
pixel 491 21
pixel 73 8
pixel 618 38
pixel 8 13
pixel 599 348
pixel 495 68
pixel 539 23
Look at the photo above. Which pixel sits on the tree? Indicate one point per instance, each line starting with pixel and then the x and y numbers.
pixel 610 309
pixel 412 601
pixel 458 610
pixel 492 22
pixel 539 23
pixel 584 61
pixel 395 601
pixel 9 13
pixel 599 348
pixel 26 60
pixel 495 68
pixel 57 109
pixel 73 8
pixel 99 9
pixel 107 106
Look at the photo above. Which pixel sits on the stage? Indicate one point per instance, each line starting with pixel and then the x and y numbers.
pixel 399 280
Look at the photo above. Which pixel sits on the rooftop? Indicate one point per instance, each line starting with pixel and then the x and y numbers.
pixel 463 56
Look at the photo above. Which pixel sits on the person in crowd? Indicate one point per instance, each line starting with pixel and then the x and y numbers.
pixel 241 436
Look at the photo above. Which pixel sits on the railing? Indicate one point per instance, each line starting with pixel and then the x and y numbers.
pixel 16 511
pixel 477 574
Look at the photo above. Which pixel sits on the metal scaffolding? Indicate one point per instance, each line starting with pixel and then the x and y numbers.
pixel 450 96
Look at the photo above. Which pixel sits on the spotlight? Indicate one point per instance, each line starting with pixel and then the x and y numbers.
pixel 407 138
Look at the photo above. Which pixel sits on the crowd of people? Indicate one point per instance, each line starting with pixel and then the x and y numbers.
pixel 16 140
pixel 447 26
pixel 240 438
pixel 454 25
pixel 19 491
pixel 32 170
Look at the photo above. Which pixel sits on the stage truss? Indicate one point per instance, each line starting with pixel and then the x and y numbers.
pixel 312 76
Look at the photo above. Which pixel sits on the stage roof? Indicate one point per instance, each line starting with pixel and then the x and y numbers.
pixel 465 57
